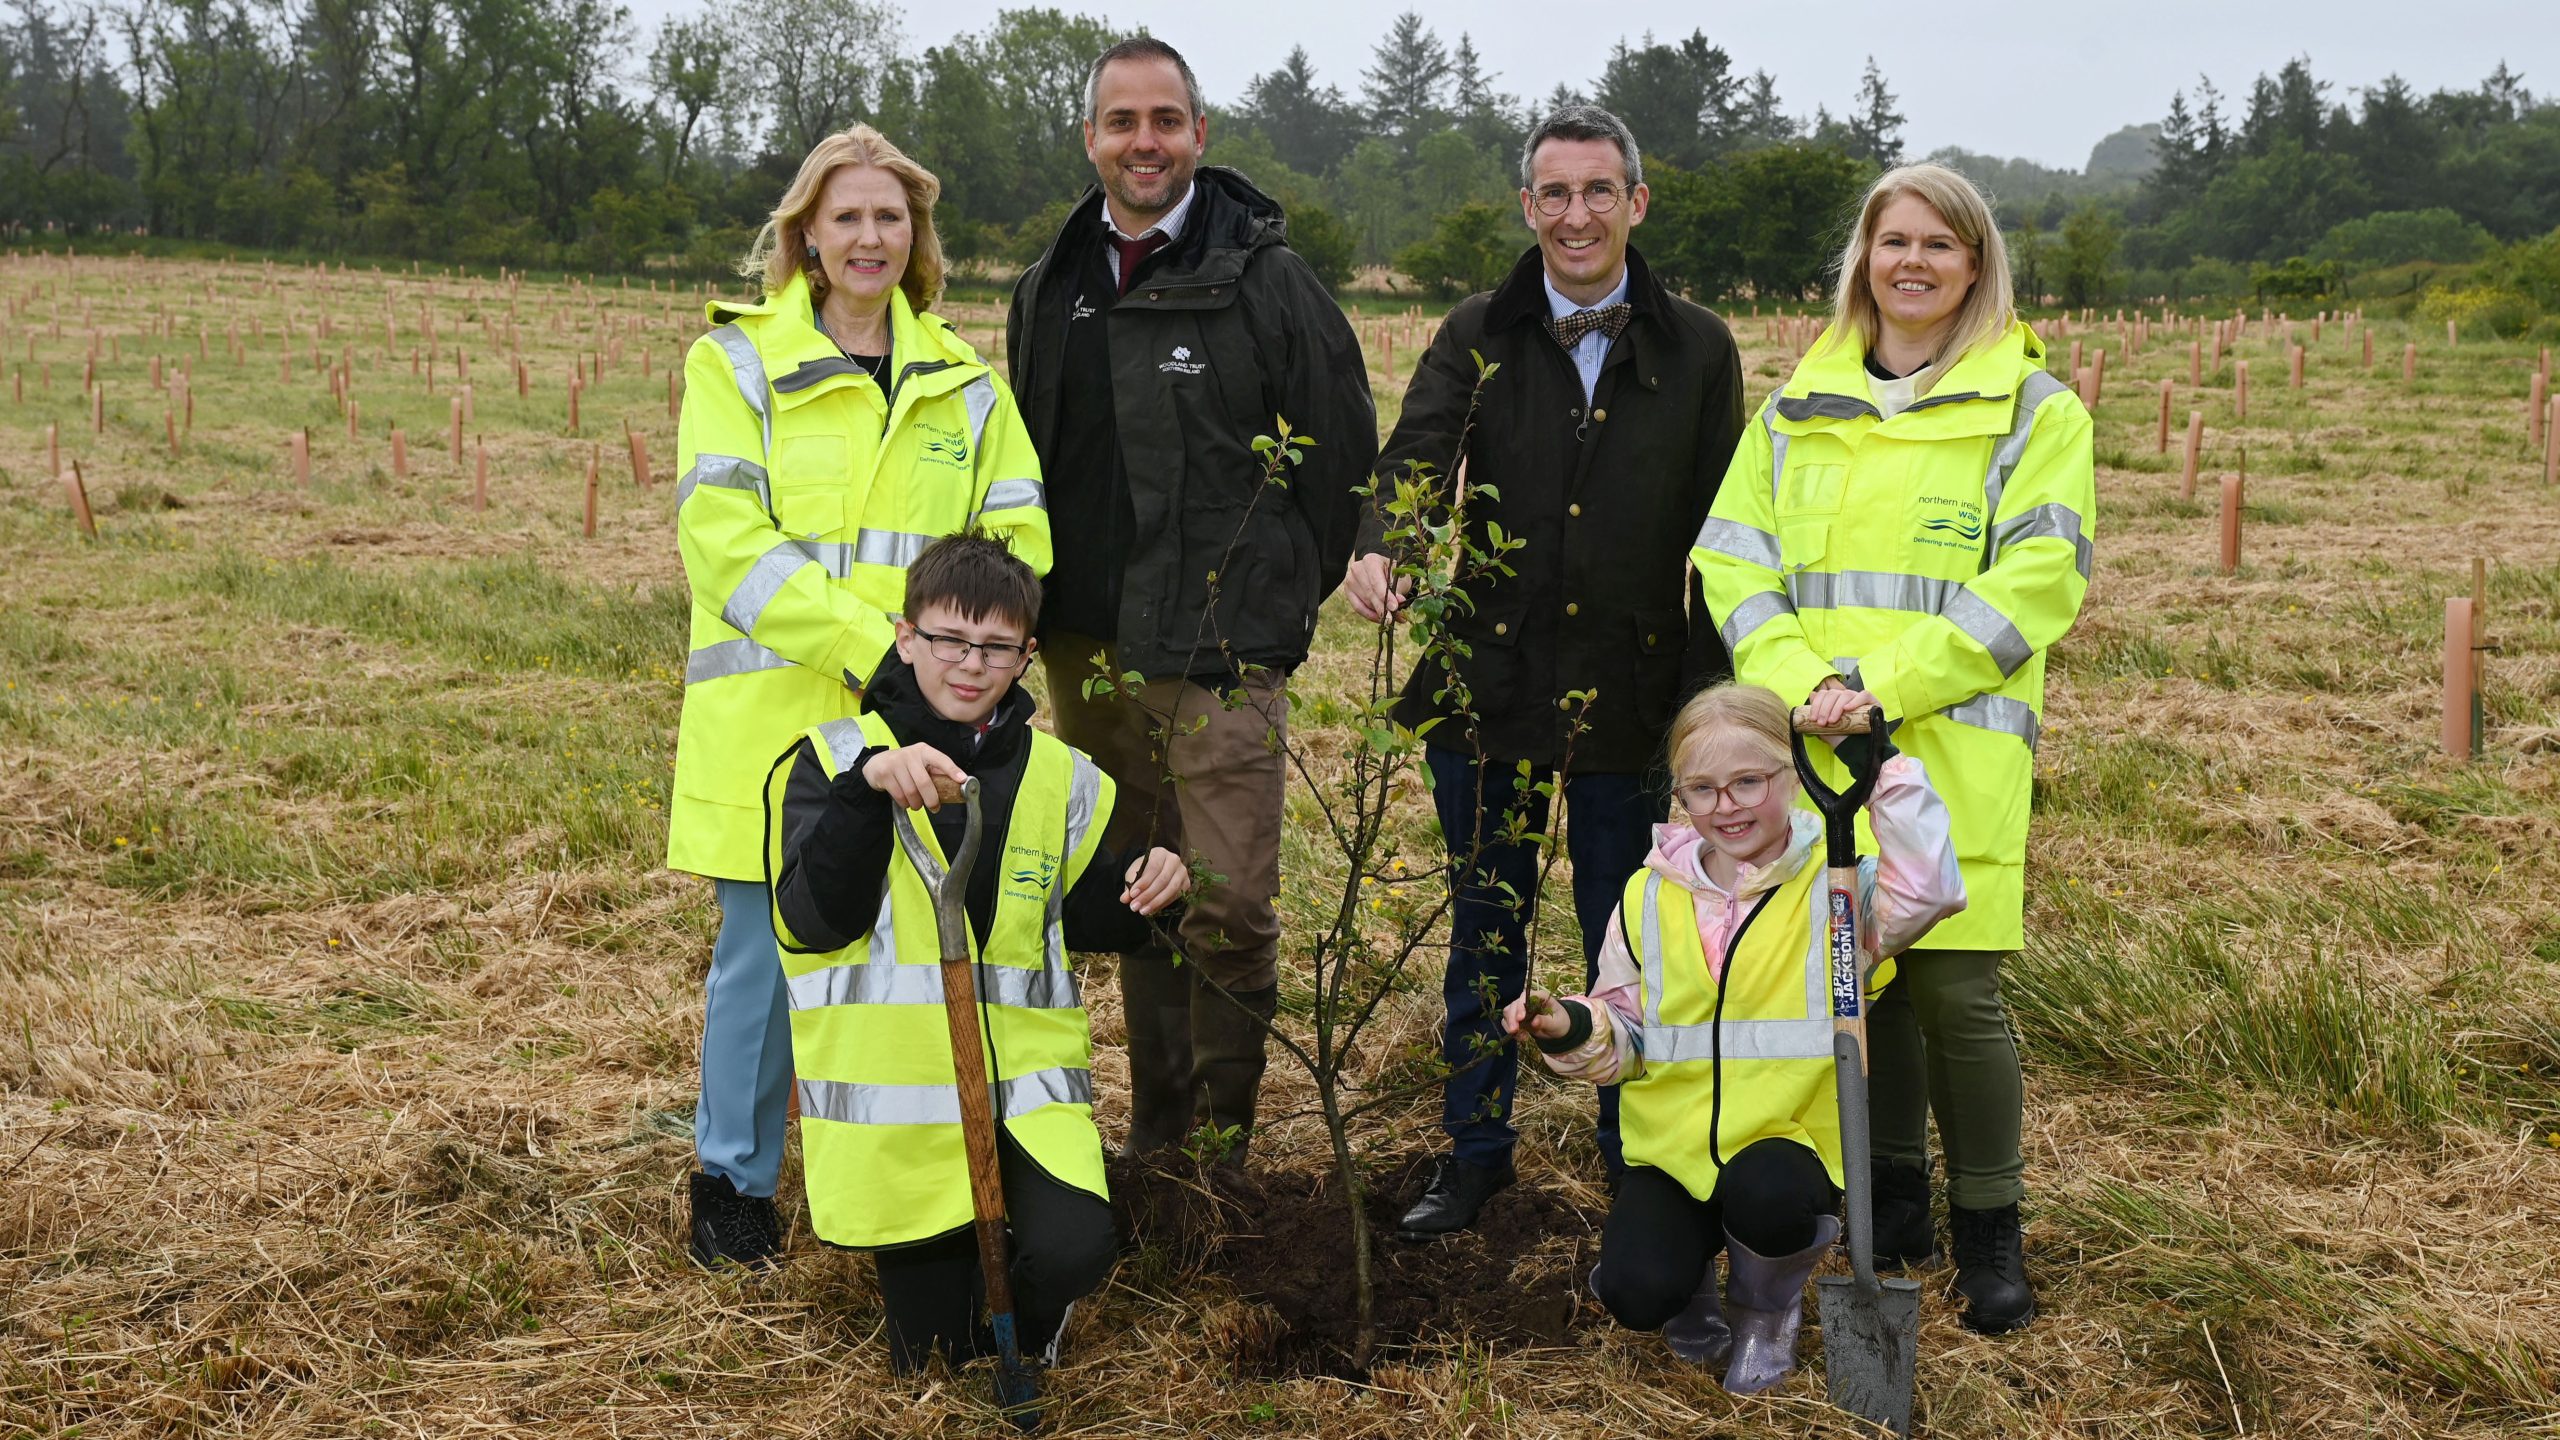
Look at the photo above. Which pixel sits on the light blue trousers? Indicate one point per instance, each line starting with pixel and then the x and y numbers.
pixel 738 1123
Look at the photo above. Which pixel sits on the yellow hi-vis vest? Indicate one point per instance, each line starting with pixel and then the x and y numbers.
pixel 1931 559
pixel 1739 1059
pixel 806 490
pixel 880 1145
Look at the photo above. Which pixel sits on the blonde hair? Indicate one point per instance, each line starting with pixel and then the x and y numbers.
pixel 1988 310
pixel 782 245
pixel 1749 715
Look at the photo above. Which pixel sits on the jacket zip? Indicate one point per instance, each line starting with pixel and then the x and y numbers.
pixel 1715 1037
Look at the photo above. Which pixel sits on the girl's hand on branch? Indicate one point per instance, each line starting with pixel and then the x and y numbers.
pixel 1156 879
pixel 1538 1012
pixel 915 776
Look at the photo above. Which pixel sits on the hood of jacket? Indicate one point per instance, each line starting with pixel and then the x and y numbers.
pixel 1679 856
pixel 785 327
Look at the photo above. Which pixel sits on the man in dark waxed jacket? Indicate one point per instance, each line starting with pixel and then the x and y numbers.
pixel 1167 326
pixel 1601 438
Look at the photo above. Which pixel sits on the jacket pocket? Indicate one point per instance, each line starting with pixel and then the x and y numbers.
pixel 811 460
pixel 811 514
pixel 1494 669
pixel 1812 489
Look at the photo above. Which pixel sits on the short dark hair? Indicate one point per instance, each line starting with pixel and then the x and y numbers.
pixel 1139 47
pixel 977 575
pixel 1584 122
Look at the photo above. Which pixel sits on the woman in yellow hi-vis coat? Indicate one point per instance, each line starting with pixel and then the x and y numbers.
pixel 1912 516
pixel 829 433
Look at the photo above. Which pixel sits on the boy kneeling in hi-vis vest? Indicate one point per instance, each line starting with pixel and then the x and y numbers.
pixel 880 1140
pixel 1712 1014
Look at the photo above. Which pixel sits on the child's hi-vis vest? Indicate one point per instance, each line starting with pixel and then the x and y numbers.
pixel 880 1141
pixel 1739 1059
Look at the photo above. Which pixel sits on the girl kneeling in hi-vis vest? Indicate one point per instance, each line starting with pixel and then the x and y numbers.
pixel 880 1139
pixel 1712 1014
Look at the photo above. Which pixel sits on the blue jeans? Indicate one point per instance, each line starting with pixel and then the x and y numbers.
pixel 739 1122
pixel 1609 832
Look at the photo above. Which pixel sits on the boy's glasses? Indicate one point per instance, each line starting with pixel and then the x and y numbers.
pixel 1744 791
pixel 952 650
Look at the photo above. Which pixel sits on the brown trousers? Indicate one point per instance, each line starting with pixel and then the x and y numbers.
pixel 1204 775
pixel 1216 800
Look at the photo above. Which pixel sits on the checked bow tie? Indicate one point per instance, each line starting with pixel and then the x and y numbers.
pixel 1611 320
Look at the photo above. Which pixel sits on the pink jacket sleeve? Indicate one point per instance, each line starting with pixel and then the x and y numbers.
pixel 1913 882
pixel 1616 1003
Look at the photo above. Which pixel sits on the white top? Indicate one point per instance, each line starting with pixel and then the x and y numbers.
pixel 1593 348
pixel 1170 226
pixel 1892 397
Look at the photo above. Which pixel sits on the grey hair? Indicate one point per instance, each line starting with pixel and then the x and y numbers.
pixel 1139 47
pixel 1584 122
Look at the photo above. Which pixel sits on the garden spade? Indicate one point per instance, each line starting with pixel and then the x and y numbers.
pixel 1870 1327
pixel 1017 1388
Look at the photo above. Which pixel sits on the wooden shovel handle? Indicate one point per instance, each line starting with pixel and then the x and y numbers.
pixel 1854 723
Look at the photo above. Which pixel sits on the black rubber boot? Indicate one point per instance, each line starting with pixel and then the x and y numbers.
pixel 1155 1000
pixel 1906 1235
pixel 1227 1048
pixel 732 1229
pixel 1991 1269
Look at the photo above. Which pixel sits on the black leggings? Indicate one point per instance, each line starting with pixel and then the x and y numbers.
pixel 1063 1249
pixel 1660 1239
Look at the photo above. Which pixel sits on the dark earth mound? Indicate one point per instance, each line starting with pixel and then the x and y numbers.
pixel 1285 1241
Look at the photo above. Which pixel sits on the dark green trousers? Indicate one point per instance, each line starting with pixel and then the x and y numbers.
pixel 1939 1041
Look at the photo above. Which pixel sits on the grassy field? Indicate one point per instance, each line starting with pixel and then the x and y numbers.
pixel 348 1062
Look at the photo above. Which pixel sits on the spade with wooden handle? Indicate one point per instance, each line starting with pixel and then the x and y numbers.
pixel 1017 1387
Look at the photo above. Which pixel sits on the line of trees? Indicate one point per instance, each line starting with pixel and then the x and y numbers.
pixel 550 132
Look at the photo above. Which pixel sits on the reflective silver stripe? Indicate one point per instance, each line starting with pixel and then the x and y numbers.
pixel 1084 794
pixel 1983 624
pixel 851 1104
pixel 749 368
pixel 1825 406
pixel 889 547
pixel 765 579
pixel 1754 611
pixel 1014 494
pixel 833 556
pixel 1746 543
pixel 1871 590
pixel 2038 387
pixel 1999 713
pixel 729 657
pixel 1742 1040
pixel 2045 522
pixel 1777 457
pixel 980 396
pixel 845 740
pixel 728 472
pixel 886 982
pixel 1651 960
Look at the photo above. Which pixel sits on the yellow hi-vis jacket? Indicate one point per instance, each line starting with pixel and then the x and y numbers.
pixel 1741 1057
pixel 880 1144
pixel 805 494
pixel 1930 559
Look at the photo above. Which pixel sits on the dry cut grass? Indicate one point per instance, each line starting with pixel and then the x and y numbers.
pixel 346 1077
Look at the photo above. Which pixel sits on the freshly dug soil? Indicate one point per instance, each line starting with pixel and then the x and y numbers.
pixel 1285 1241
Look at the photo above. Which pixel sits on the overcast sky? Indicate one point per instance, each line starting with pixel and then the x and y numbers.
pixel 2044 80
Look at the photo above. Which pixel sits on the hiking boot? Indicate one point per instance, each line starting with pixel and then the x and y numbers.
pixel 733 1229
pixel 1905 1235
pixel 1699 1334
pixel 1458 1189
pixel 1991 1269
pixel 1764 1303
